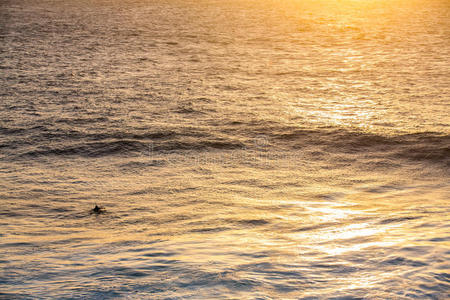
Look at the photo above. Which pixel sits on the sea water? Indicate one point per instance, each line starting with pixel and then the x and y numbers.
pixel 239 149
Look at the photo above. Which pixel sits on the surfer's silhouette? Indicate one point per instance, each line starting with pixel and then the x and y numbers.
pixel 97 210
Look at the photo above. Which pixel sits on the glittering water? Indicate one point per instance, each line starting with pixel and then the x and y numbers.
pixel 240 149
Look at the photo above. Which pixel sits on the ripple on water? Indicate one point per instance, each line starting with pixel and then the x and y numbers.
pixel 242 149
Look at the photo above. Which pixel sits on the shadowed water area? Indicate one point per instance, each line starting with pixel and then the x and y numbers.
pixel 237 149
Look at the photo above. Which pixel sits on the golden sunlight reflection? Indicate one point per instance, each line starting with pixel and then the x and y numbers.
pixel 338 232
pixel 234 149
pixel 349 112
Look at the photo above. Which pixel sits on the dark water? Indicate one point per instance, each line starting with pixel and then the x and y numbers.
pixel 241 149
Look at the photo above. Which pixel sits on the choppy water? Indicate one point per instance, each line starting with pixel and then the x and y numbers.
pixel 242 149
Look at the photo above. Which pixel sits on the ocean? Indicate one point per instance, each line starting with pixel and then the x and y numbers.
pixel 238 149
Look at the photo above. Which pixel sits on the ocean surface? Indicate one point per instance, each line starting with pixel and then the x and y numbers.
pixel 239 149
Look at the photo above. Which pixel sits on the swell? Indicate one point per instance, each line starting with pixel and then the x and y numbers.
pixel 425 146
pixel 431 147
pixel 129 147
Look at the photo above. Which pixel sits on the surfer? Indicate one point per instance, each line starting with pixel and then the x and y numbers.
pixel 97 210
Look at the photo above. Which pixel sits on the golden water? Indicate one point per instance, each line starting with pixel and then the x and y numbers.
pixel 241 149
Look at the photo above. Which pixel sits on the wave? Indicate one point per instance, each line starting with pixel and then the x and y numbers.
pixel 236 135
pixel 426 146
pixel 127 147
